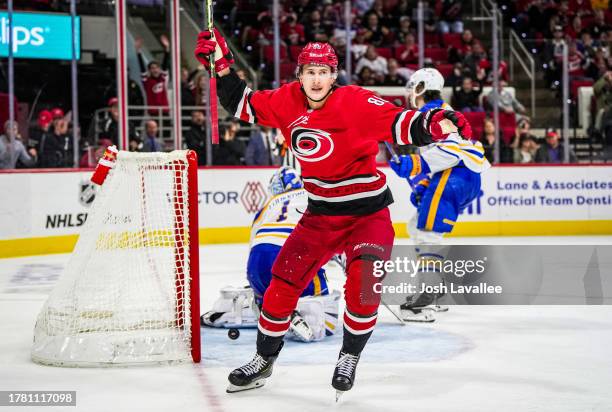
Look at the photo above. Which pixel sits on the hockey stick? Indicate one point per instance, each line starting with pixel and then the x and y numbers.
pixel 212 86
pixel 395 159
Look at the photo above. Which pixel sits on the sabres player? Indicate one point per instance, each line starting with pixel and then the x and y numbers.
pixel 334 133
pixel 316 315
pixel 445 178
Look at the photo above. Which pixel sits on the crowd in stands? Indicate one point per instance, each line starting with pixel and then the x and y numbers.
pixel 384 52
pixel 585 27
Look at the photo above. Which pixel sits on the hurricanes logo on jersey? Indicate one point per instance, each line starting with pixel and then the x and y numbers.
pixel 311 145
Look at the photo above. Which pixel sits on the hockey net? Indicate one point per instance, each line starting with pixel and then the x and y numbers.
pixel 130 294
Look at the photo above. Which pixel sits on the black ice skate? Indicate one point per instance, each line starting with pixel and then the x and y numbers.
pixel 252 375
pixel 344 374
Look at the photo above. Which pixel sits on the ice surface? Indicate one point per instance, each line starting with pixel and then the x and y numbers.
pixel 479 358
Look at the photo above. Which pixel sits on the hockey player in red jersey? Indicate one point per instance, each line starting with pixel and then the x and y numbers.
pixel 334 133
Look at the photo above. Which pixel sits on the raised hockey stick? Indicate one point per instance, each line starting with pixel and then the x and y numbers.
pixel 212 87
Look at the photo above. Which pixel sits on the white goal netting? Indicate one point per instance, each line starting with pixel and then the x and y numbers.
pixel 124 297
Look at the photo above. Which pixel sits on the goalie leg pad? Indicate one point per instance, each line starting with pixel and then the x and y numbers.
pixel 317 317
pixel 233 309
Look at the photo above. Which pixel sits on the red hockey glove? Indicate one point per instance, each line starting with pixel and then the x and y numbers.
pixel 206 45
pixel 434 117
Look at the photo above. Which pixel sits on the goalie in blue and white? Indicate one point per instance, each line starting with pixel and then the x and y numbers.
pixel 316 315
pixel 445 179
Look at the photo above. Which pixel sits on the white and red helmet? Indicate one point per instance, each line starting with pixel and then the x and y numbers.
pixel 320 54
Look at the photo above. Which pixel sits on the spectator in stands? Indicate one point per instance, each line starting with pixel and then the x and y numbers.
pixel 366 77
pixel 476 62
pixel 200 91
pixel 230 150
pixel 506 101
pixel 110 128
pixel 524 145
pixel 576 62
pixel 488 142
pixel 55 148
pixel 377 64
pixel 155 78
pixel 599 26
pixel 456 77
pixel 316 30
pixel 134 144
pixel 195 137
pixel 553 58
pixel 450 17
pixel 187 86
pixel 12 150
pixel 394 77
pixel 410 54
pixel 262 149
pixel 488 139
pixel 331 17
pixel 603 105
pixel 404 30
pixel 525 150
pixel 377 34
pixel 465 97
pixel 457 54
pixel 589 47
pixel 151 141
pixel 552 150
pixel 574 29
pixel 43 124
pixel 359 46
pixel 292 32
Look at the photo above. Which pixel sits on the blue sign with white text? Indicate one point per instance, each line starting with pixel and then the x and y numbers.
pixel 40 36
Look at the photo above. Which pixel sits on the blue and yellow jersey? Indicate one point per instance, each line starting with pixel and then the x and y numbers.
pixel 454 150
pixel 276 220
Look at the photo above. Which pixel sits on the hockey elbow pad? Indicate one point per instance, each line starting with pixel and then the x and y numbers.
pixel 230 89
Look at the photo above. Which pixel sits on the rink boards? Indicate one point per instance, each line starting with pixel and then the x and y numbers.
pixel 43 212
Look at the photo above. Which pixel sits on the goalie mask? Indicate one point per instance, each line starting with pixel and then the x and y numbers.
pixel 284 180
pixel 423 80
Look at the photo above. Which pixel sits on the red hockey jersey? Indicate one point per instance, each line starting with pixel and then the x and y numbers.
pixel 335 145
pixel 156 90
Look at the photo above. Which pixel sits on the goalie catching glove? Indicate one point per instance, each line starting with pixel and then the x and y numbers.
pixel 209 43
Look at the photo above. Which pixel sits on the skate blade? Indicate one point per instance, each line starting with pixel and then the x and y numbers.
pixel 339 396
pixel 254 385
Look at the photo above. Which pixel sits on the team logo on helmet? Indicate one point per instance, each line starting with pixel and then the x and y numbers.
pixel 311 145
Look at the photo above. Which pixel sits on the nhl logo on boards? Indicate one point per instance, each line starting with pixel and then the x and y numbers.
pixel 87 193
pixel 311 145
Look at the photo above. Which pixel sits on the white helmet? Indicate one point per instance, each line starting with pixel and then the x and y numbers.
pixel 423 80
